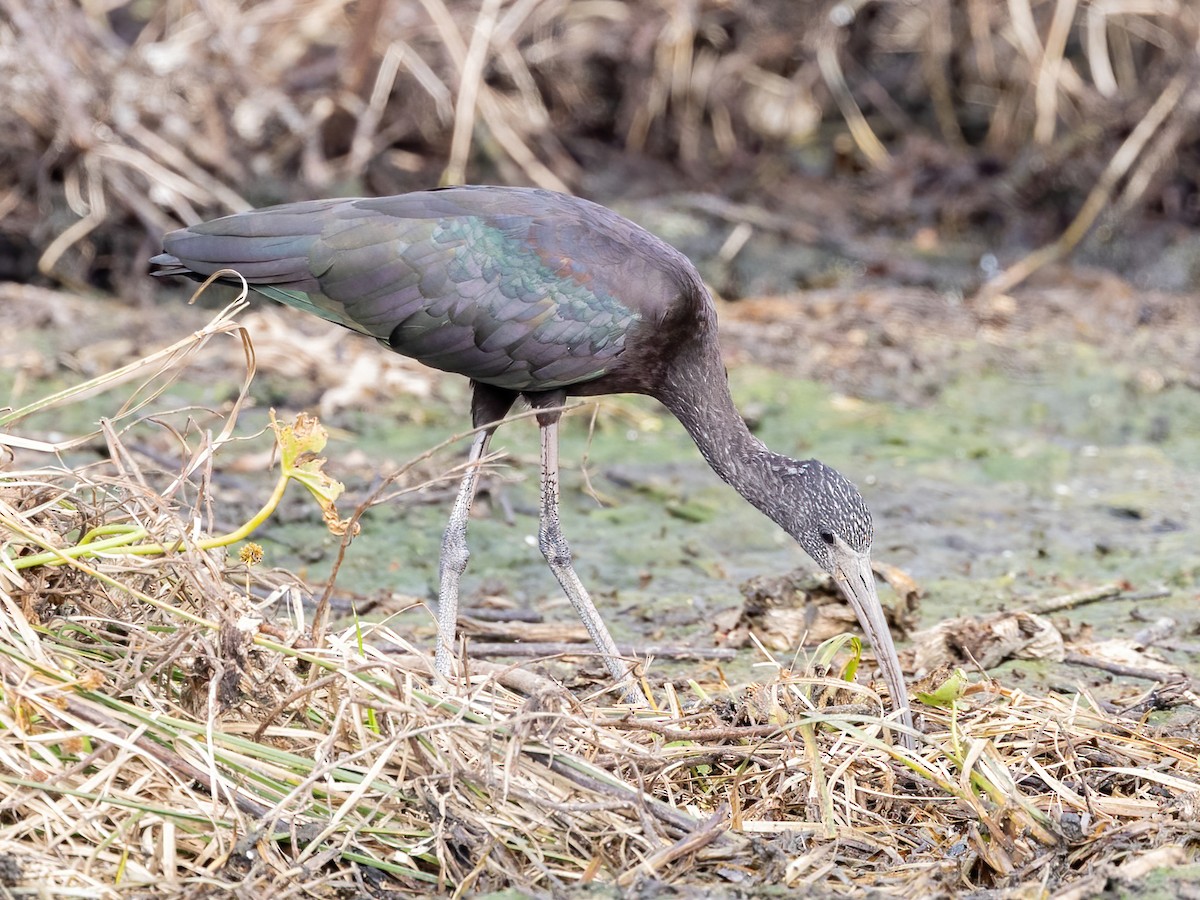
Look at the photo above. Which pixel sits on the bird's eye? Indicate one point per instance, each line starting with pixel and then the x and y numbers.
pixel 827 536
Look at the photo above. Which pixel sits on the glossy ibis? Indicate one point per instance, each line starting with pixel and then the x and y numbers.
pixel 539 295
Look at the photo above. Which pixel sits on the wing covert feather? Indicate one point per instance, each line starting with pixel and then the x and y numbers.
pixel 523 289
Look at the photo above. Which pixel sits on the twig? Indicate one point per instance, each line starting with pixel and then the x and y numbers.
pixel 1166 695
pixel 737 732
pixel 1093 595
pixel 1104 665
pixel 831 71
pixel 470 78
pixel 515 679
pixel 501 633
pixel 675 818
pixel 1074 599
pixel 712 828
pixel 1099 196
pixel 703 735
pixel 491 614
pixel 551 648
pixel 1049 71
pixel 935 65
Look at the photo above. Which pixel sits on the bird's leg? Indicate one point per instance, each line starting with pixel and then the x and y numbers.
pixel 554 547
pixel 455 555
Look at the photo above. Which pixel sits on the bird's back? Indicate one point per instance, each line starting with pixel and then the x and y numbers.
pixel 519 288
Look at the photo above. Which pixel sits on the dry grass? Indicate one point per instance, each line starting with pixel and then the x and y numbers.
pixel 165 731
pixel 123 114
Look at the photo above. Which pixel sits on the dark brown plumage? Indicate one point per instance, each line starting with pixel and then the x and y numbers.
pixel 539 295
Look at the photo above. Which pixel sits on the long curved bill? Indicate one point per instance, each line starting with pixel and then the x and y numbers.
pixel 852 572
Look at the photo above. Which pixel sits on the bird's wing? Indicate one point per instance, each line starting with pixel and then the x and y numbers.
pixel 520 289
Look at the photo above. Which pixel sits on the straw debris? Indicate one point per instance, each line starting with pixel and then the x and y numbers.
pixel 126 118
pixel 164 730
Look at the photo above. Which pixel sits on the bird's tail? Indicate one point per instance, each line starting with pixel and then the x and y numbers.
pixel 169 265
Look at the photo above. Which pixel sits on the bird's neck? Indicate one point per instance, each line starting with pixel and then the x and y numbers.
pixel 696 391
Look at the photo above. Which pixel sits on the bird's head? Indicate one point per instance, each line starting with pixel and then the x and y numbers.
pixel 828 517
